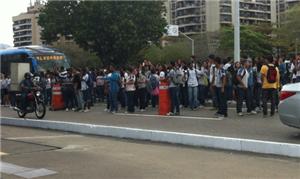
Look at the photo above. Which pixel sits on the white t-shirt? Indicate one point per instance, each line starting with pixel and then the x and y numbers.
pixel 84 86
pixel 212 72
pixel 131 78
pixel 241 72
pixel 192 77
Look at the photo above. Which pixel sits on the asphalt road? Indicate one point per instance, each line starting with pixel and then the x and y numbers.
pixel 74 156
pixel 248 126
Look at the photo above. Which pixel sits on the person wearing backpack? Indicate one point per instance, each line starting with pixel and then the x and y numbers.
pixel 242 87
pixel 154 87
pixel 270 80
pixel 174 78
pixel 220 83
pixel 192 82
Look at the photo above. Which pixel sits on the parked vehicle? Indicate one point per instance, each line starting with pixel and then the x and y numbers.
pixel 289 106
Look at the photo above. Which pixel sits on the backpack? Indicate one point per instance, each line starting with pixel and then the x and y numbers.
pixel 234 79
pixel 271 74
pixel 177 78
pixel 153 82
pixel 89 81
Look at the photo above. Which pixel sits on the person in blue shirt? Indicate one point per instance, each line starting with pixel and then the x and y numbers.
pixel 114 87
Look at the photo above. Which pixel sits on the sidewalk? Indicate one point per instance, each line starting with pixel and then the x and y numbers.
pixel 200 121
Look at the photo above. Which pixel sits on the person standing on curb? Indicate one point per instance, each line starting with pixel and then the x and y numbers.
pixel 270 80
pixel 220 83
pixel 174 78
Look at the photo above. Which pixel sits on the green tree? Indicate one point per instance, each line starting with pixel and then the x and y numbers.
pixel 171 52
pixel 77 56
pixel 253 42
pixel 288 34
pixel 115 30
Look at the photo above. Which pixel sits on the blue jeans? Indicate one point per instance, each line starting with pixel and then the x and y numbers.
pixel 229 92
pixel 113 100
pixel 250 92
pixel 193 99
pixel 221 100
pixel 174 94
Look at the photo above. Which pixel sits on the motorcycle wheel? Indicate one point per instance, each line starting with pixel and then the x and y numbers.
pixel 21 114
pixel 40 110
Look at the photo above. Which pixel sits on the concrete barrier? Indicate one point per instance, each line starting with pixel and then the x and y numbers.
pixel 227 143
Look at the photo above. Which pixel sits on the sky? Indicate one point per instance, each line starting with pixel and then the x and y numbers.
pixel 8 9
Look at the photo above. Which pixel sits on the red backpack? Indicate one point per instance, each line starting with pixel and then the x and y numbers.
pixel 271 74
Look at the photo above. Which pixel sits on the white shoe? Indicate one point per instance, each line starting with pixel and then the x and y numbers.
pixel 67 109
pixel 86 110
pixel 240 114
pixel 73 109
pixel 142 110
pixel 253 112
pixel 170 114
pixel 106 110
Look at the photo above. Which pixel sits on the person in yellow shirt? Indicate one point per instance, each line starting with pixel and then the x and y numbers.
pixel 270 81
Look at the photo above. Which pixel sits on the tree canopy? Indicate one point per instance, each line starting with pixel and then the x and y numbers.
pixel 115 30
pixel 253 41
pixel 289 30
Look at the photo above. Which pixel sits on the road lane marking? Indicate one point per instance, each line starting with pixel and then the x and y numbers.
pixel 42 137
pixel 24 172
pixel 160 116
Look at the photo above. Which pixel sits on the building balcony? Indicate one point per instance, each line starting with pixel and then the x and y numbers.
pixel 188 16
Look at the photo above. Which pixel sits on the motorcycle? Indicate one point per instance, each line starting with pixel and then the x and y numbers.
pixel 35 103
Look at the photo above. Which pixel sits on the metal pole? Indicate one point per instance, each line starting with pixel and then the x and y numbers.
pixel 193 42
pixel 296 47
pixel 237 31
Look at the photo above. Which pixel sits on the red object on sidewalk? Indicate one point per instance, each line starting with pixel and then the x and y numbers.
pixel 164 106
pixel 57 101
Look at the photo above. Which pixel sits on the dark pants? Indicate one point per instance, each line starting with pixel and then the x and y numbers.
pixel 213 96
pixel 268 94
pixel 250 98
pixel 68 96
pixel 257 95
pixel 113 100
pixel 242 94
pixel 184 95
pixel 100 93
pixel 202 94
pixel 154 100
pixel 229 92
pixel 221 101
pixel 174 94
pixel 130 101
pixel 48 96
pixel 86 98
pixel 123 97
pixel 142 92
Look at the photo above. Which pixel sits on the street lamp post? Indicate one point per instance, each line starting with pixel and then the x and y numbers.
pixel 193 42
pixel 237 31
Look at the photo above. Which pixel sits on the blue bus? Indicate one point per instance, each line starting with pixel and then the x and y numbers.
pixel 40 58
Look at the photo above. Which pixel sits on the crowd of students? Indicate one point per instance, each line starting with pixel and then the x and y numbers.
pixel 191 85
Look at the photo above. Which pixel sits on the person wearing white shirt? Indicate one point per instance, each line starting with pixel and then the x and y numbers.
pixel 130 90
pixel 192 82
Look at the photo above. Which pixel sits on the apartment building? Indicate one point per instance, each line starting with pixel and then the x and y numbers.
pixel 25 26
pixel 194 16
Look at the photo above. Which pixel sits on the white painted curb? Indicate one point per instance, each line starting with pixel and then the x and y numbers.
pixel 237 144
